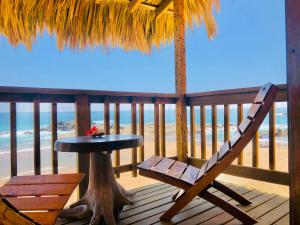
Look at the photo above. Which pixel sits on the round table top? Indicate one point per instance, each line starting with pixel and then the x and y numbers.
pixel 87 144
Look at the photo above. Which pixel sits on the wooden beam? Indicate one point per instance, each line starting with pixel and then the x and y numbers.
pixel 180 78
pixel 163 7
pixel 133 5
pixel 13 139
pixel 292 13
pixel 36 135
pixel 82 120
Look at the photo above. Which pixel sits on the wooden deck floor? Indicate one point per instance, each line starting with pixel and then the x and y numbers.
pixel 151 201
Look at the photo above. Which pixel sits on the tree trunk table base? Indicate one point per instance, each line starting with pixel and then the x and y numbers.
pixel 104 198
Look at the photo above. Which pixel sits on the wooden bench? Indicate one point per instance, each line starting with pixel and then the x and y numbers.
pixel 196 181
pixel 36 199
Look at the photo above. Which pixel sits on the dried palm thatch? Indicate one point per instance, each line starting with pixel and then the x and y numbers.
pixel 108 23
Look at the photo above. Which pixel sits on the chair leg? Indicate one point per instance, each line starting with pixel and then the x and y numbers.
pixel 178 194
pixel 226 206
pixel 234 195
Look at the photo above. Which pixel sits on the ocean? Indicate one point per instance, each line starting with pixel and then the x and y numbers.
pixel 66 121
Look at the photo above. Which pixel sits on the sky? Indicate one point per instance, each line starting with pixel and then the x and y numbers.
pixel 248 50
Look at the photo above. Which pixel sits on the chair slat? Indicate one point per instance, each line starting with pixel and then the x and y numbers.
pixel 190 174
pixel 43 218
pixel 254 110
pixel 212 162
pixel 38 203
pixel 149 163
pixel 177 169
pixel 46 179
pixel 224 150
pixel 163 165
pixel 202 171
pixel 235 138
pixel 263 92
pixel 37 190
pixel 244 125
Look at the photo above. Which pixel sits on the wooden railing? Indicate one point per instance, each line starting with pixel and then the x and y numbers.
pixel 84 98
pixel 237 97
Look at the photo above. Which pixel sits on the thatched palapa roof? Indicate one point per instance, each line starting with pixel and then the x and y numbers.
pixel 129 24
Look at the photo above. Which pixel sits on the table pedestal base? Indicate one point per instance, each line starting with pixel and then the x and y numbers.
pixel 104 198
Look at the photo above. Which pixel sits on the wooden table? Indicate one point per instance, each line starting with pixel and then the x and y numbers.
pixel 105 197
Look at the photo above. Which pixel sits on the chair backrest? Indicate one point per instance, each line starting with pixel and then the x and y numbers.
pixel 246 130
pixel 9 215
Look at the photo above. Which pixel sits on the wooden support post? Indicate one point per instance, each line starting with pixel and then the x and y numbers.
pixel 162 130
pixel 133 131
pixel 13 139
pixel 203 131
pixel 240 115
pixel 226 123
pixel 255 150
pixel 106 118
pixel 82 125
pixel 192 131
pixel 37 139
pixel 272 149
pixel 293 81
pixel 141 130
pixel 180 73
pixel 117 131
pixel 156 129
pixel 54 137
pixel 214 135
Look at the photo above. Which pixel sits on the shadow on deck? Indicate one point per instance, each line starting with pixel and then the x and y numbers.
pixel 152 200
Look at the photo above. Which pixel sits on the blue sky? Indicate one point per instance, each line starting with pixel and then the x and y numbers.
pixel 248 50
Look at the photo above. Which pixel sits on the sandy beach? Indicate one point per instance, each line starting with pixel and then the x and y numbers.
pixel 67 161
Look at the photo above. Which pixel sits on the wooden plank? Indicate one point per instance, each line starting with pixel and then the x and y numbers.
pixel 54 137
pixel 284 220
pixel 226 123
pixel 156 129
pixel 276 214
pixel 117 131
pixel 240 115
pixel 244 125
pixel 46 179
pixel 82 120
pixel 149 163
pixel 163 165
pixel 202 171
pixel 254 108
pixel 163 130
pixel 224 150
pixel 192 131
pixel 212 162
pixel 272 144
pixel 163 7
pixel 133 5
pixel 203 131
pixel 36 137
pixel 176 169
pixel 292 15
pixel 106 118
pixel 180 79
pixel 13 139
pixel 235 138
pixel 39 203
pixel 43 218
pixel 190 174
pixel 262 94
pixel 255 150
pixel 37 190
pixel 214 131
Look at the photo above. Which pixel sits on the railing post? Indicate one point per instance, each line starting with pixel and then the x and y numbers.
pixel 203 131
pixel 192 131
pixel 292 13
pixel 180 78
pixel 240 116
pixel 37 139
pixel 133 131
pixel 82 125
pixel 162 130
pixel 54 137
pixel 156 129
pixel 13 139
pixel 117 131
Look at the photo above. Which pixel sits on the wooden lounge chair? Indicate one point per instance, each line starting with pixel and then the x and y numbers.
pixel 195 182
pixel 29 200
